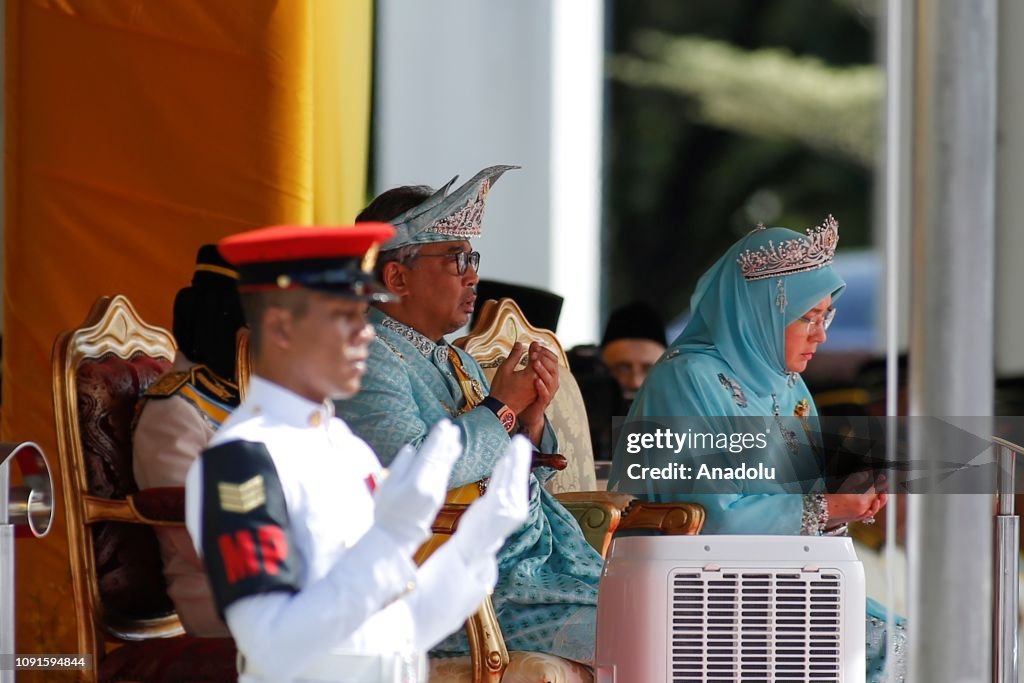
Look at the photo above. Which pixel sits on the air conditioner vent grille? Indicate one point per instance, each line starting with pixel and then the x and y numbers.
pixel 755 625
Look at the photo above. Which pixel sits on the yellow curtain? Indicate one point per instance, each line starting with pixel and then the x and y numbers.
pixel 136 132
pixel 342 53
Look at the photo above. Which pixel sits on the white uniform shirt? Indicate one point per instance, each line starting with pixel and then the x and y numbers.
pixel 355 596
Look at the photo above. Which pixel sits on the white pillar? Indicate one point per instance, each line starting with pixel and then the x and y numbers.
pixel 464 84
pixel 1009 198
pixel 951 342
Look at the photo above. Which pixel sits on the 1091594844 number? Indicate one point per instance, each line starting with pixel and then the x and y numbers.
pixel 19 662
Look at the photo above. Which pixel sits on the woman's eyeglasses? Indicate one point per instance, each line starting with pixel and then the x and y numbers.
pixel 462 260
pixel 825 321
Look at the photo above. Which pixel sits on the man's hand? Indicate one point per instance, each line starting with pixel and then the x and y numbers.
pixel 515 388
pixel 407 501
pixel 544 363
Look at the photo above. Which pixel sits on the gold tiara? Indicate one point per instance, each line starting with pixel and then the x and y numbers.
pixel 797 255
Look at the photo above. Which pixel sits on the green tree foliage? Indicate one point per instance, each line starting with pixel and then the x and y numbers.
pixel 724 113
pixel 765 93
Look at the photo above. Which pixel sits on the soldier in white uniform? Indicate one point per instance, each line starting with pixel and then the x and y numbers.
pixel 308 544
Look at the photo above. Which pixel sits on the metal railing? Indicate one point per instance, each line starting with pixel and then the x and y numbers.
pixel 27 510
pixel 1007 564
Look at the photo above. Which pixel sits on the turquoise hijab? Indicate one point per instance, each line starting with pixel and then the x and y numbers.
pixel 743 321
pixel 729 361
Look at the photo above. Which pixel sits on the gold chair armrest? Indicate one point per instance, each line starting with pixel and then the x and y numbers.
pixel 602 513
pixel 599 514
pixel 447 520
pixel 108 510
pixel 619 500
pixel 160 504
pixel 671 519
pixel 487 652
pixel 445 524
pixel 597 520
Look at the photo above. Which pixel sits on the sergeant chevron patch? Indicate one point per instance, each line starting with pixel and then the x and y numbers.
pixel 241 498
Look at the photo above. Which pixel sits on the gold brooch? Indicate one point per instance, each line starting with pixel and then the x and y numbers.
pixel 802 408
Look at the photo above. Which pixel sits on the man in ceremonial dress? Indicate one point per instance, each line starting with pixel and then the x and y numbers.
pixel 308 544
pixel 547 591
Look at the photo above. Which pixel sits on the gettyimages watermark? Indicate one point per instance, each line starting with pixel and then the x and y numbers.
pixel 671 456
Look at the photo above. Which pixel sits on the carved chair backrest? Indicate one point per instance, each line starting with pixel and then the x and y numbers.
pixel 100 370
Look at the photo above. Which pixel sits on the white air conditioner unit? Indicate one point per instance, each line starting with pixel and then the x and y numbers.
pixel 689 609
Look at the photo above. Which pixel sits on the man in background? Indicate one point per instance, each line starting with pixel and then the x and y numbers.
pixel 178 415
pixel 633 340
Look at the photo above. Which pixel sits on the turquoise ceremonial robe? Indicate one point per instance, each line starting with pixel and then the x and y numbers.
pixel 730 362
pixel 546 594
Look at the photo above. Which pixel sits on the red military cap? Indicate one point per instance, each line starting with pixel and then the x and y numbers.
pixel 332 259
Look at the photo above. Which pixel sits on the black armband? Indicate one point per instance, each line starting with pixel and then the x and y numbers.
pixel 248 545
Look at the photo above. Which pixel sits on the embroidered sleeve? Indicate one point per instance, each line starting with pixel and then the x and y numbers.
pixel 548 444
pixel 815 515
pixel 394 408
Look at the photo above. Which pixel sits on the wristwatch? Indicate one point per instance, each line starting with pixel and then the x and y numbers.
pixel 505 415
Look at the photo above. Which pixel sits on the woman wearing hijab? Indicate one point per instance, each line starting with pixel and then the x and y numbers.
pixel 758 316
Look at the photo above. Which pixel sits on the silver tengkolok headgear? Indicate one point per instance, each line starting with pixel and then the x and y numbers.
pixel 442 217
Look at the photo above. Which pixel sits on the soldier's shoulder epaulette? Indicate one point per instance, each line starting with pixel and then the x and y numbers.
pixel 212 384
pixel 167 385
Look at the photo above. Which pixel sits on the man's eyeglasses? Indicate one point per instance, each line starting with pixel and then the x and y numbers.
pixel 825 321
pixel 462 260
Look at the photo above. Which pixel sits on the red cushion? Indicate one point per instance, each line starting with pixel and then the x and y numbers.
pixel 163 503
pixel 108 390
pixel 172 660
pixel 128 566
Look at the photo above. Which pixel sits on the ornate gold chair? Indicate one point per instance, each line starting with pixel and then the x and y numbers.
pixel 600 513
pixel 123 615
pixel 500 325
pixel 243 361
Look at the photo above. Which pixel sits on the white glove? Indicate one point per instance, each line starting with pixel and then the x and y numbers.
pixel 503 509
pixel 407 501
